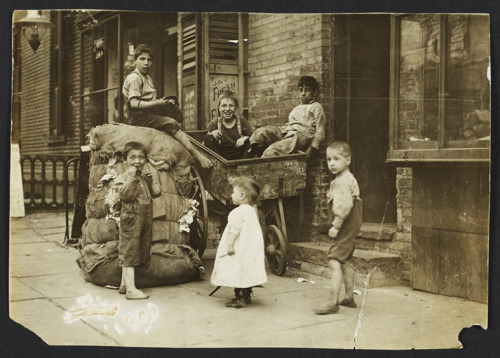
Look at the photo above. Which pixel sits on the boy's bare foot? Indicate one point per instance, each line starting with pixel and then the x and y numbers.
pixel 204 161
pixel 136 295
pixel 326 309
pixel 348 303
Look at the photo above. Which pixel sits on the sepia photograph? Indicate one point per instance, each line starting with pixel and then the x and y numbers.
pixel 250 179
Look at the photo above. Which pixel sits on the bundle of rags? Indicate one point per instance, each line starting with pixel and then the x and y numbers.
pixel 172 260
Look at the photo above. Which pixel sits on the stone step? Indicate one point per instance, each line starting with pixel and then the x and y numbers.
pixel 386 269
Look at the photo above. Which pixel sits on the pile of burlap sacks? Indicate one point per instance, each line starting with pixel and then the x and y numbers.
pixel 172 259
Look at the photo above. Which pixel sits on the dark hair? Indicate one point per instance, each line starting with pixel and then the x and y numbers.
pixel 309 81
pixel 342 147
pixel 142 48
pixel 249 187
pixel 230 95
pixel 133 146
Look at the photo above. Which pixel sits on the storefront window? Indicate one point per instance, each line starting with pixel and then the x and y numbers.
pixel 419 81
pixel 441 92
pixel 467 96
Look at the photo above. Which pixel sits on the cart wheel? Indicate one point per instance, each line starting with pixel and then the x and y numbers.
pixel 199 228
pixel 275 247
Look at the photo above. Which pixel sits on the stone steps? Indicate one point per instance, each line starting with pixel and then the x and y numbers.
pixel 386 269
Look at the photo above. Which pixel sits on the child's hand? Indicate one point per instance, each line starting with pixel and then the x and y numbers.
pixel 230 249
pixel 241 141
pixel 147 173
pixel 132 171
pixel 162 101
pixel 217 134
pixel 310 152
pixel 333 232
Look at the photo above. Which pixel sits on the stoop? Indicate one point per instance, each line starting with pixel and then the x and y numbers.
pixel 386 269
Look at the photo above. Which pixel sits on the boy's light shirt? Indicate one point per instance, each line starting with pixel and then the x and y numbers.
pixel 310 120
pixel 341 193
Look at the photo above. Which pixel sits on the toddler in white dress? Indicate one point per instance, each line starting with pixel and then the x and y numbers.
pixel 240 260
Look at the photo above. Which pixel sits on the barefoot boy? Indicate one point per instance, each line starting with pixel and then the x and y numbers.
pixel 344 207
pixel 135 190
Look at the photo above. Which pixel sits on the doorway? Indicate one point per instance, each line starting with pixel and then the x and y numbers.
pixel 361 108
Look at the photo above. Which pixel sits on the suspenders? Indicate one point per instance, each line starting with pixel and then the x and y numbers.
pixel 238 125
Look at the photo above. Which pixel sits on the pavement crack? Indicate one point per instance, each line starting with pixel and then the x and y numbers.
pixel 362 309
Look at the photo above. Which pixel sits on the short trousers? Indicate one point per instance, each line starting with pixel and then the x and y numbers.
pixel 279 141
pixel 342 247
pixel 135 235
pixel 153 120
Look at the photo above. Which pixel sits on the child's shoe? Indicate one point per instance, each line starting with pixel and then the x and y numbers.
pixel 327 308
pixel 348 303
pixel 238 301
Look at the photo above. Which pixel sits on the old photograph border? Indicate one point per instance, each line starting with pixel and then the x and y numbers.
pixel 21 342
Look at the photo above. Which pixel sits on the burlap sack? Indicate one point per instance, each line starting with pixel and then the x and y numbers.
pixel 161 146
pixel 95 205
pixel 99 231
pixel 96 172
pixel 168 231
pixel 170 264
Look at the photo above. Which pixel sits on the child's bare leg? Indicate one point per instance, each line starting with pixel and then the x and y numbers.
pixel 332 305
pixel 123 286
pixel 184 140
pixel 132 292
pixel 348 274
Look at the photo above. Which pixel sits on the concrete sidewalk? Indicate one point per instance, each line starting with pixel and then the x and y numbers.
pixel 49 297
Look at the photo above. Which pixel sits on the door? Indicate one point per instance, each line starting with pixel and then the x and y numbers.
pixel 361 69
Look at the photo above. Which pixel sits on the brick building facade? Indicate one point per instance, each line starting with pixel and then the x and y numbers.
pixel 361 73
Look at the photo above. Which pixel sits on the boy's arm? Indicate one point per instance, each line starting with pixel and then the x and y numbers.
pixel 342 204
pixel 320 119
pixel 126 187
pixel 154 187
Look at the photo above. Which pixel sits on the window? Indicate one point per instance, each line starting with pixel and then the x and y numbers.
pixel 101 73
pixel 57 117
pixel 440 93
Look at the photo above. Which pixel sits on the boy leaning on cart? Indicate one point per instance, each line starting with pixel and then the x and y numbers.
pixel 304 131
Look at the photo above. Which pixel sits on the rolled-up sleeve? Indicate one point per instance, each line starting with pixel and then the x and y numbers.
pixel 320 121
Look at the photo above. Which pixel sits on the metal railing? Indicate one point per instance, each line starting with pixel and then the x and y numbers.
pixel 46 181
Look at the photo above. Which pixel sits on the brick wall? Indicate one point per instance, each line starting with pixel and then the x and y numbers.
pixel 37 86
pixel 282 48
pixel 402 239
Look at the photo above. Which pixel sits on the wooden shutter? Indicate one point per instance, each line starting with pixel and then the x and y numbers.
pixel 189 68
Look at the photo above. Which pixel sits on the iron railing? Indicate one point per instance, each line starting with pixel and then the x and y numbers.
pixel 46 181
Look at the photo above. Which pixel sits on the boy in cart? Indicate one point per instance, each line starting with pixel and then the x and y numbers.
pixel 304 131
pixel 144 109
pixel 345 209
pixel 228 134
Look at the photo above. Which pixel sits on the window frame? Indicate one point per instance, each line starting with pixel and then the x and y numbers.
pixel 441 153
pixel 57 133
pixel 103 18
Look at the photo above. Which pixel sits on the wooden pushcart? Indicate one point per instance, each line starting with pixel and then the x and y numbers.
pixel 280 178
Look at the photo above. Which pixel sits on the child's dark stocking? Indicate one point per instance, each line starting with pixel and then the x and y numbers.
pixel 247 295
pixel 256 150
